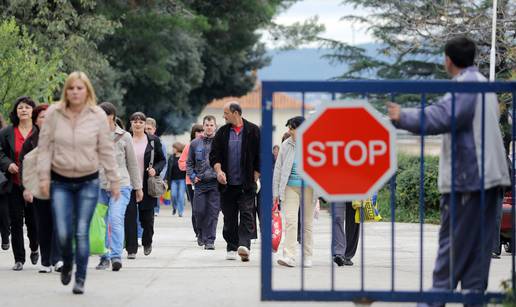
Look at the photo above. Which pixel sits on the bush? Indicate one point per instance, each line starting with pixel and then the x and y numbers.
pixel 407 190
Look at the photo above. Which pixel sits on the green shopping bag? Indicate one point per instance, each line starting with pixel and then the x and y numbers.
pixel 98 230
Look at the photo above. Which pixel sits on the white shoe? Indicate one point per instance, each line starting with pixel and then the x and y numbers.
pixel 287 261
pixel 58 266
pixel 308 262
pixel 243 252
pixel 45 269
pixel 231 255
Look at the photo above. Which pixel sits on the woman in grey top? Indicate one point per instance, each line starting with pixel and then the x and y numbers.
pixel 129 179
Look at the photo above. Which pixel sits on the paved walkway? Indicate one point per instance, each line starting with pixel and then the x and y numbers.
pixel 179 273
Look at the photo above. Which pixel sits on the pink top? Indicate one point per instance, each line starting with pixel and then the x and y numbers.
pixel 139 150
pixel 182 161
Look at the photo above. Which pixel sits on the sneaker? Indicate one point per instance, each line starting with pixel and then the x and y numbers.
pixel 339 260
pixel 139 242
pixel 147 250
pixel 131 256
pixel 495 256
pixel 59 266
pixel 34 257
pixel 348 262
pixel 307 262
pixel 103 264
pixel 243 252
pixel 209 246
pixel 287 261
pixel 78 287
pixel 231 255
pixel 45 269
pixel 18 266
pixel 200 242
pixel 66 274
pixel 116 265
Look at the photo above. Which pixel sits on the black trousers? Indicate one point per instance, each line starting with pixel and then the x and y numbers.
pixel 5 223
pixel 49 248
pixel 18 210
pixel 131 226
pixel 352 233
pixel 238 208
pixel 190 196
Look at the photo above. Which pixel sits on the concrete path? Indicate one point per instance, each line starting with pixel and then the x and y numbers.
pixel 179 273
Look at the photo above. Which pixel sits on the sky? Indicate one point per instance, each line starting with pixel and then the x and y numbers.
pixel 329 13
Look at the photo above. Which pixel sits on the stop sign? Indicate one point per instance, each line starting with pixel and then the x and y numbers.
pixel 346 150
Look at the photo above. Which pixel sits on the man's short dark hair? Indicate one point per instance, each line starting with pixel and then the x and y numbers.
pixel 209 118
pixel 461 51
pixel 235 107
pixel 109 108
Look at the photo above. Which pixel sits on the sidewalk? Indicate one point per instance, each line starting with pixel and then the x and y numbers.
pixel 179 273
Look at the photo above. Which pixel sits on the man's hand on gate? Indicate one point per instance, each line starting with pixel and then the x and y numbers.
pixel 393 111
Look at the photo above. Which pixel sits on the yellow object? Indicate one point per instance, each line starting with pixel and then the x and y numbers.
pixel 371 213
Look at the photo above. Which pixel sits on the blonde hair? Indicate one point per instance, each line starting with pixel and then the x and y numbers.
pixel 151 121
pixel 91 98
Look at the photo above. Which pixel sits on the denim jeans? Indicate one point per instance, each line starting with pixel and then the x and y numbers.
pixel 115 221
pixel 177 193
pixel 73 205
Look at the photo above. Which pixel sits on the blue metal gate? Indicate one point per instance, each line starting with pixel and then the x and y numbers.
pixel 364 89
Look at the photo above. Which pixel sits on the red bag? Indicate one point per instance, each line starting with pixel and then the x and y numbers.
pixel 277 228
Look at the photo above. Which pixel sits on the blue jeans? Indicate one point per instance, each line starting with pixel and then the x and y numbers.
pixel 73 205
pixel 115 221
pixel 177 193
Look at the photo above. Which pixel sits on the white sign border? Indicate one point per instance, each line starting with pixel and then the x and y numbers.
pixel 346 105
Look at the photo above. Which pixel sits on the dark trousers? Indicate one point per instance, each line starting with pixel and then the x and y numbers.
pixel 190 196
pixel 472 255
pixel 131 229
pixel 347 232
pixel 5 223
pixel 18 210
pixel 206 211
pixel 352 233
pixel 239 221
pixel 48 246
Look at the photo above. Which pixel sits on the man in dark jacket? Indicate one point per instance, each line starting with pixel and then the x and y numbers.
pixel 235 157
pixel 204 178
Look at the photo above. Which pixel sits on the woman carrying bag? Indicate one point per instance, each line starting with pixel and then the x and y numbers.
pixel 151 161
pixel 74 143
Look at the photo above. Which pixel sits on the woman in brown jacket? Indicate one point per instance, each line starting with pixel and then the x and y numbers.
pixel 74 142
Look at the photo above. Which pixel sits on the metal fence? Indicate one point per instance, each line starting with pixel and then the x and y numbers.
pixel 392 90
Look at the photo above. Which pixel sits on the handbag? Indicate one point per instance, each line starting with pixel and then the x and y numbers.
pixel 277 228
pixel 156 186
pixel 370 209
pixel 30 179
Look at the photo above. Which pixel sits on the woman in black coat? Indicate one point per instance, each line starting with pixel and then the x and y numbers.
pixel 12 138
pixel 143 146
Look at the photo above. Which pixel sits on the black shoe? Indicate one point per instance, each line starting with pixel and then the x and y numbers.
pixel 18 266
pixel 66 274
pixel 199 241
pixel 147 250
pixel 34 257
pixel 348 262
pixel 78 287
pixel 116 265
pixel 174 211
pixel 104 264
pixel 339 260
pixel 5 246
pixel 131 256
pixel 209 246
pixel 495 256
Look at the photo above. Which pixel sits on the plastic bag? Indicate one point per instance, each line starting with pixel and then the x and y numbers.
pixel 371 212
pixel 277 227
pixel 98 230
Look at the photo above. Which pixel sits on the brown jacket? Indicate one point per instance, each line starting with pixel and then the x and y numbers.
pixel 77 149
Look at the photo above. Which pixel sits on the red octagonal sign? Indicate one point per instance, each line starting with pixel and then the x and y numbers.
pixel 346 150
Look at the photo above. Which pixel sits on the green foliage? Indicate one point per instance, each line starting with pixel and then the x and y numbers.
pixel 510 300
pixel 407 190
pixel 26 69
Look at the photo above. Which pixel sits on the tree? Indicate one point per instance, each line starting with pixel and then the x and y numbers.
pixel 26 69
pixel 75 29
